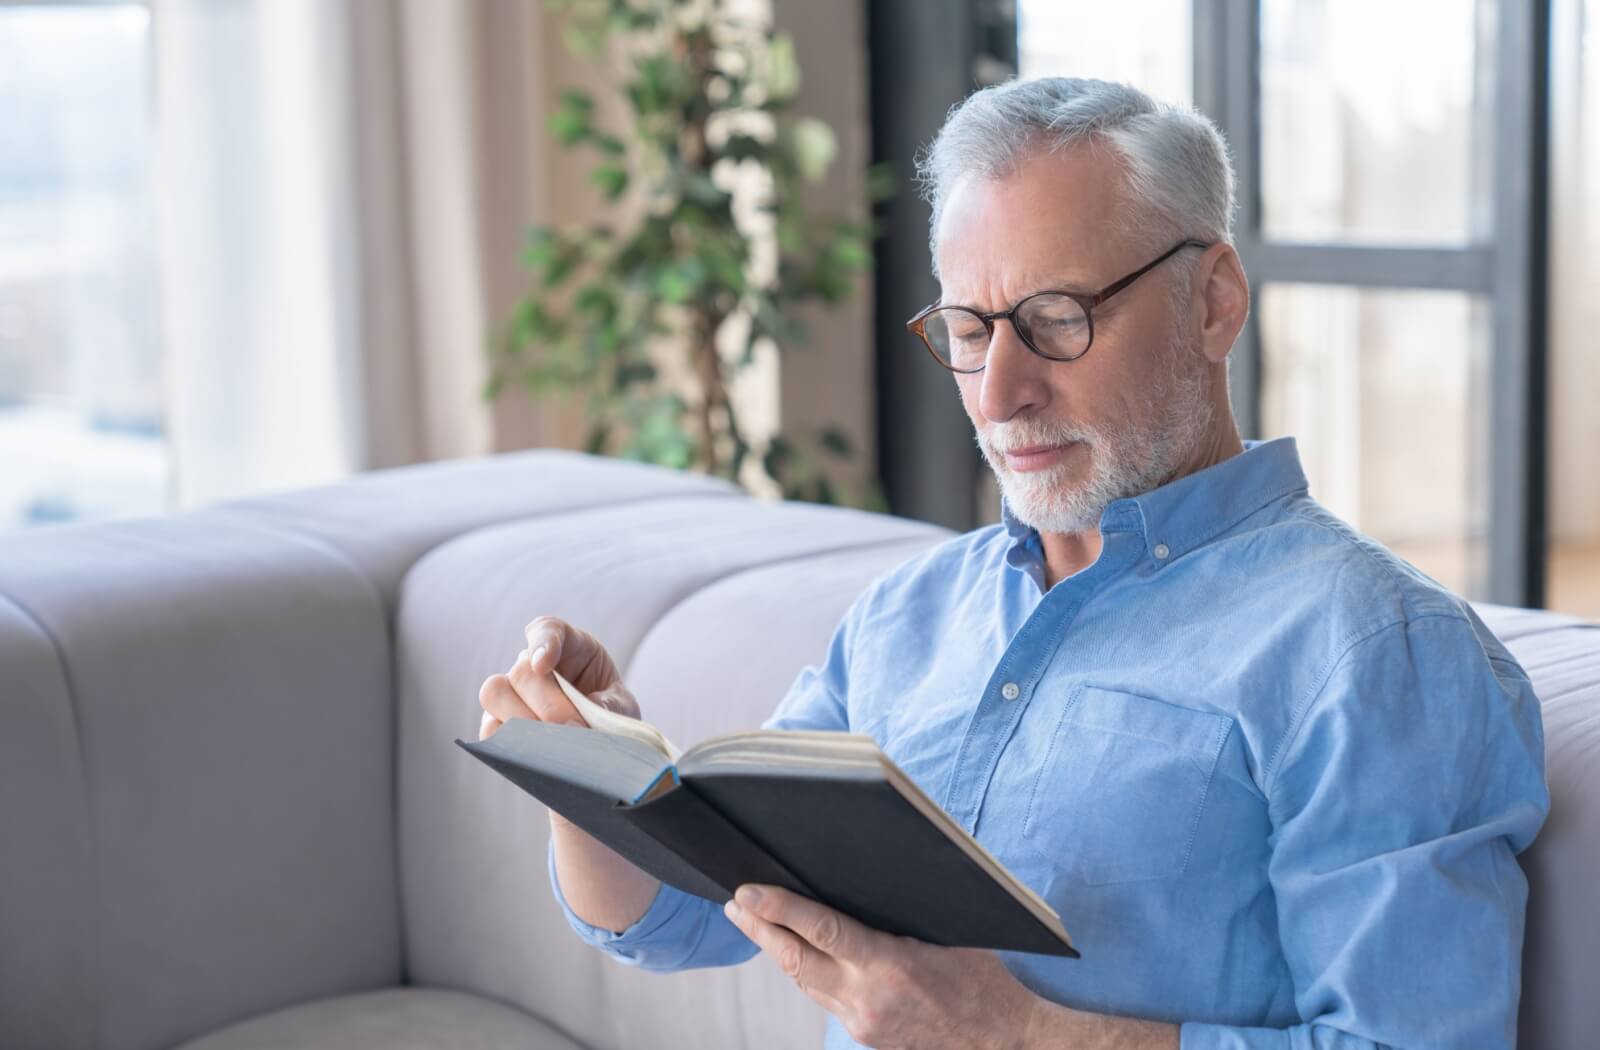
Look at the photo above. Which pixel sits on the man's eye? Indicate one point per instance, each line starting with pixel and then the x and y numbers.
pixel 1064 324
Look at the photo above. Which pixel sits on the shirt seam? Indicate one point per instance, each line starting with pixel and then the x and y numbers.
pixel 1347 646
pixel 1391 573
pixel 1298 719
pixel 1228 526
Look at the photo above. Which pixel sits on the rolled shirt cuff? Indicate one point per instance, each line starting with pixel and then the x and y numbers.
pixel 630 944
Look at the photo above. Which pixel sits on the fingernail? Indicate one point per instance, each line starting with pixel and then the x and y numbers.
pixel 533 661
pixel 732 910
pixel 748 896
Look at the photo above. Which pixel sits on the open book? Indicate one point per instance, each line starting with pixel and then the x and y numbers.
pixel 826 814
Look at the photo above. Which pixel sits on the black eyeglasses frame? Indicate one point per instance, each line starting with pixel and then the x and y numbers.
pixel 1086 300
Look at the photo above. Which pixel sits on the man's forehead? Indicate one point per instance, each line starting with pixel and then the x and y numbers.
pixel 1051 223
pixel 981 277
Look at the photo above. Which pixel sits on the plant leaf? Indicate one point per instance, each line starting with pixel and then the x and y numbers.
pixel 813 145
pixel 611 178
pixel 837 441
pixel 783 69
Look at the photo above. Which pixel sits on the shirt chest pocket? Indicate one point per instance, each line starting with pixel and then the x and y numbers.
pixel 1119 794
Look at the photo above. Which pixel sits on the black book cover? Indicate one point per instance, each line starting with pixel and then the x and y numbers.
pixel 846 837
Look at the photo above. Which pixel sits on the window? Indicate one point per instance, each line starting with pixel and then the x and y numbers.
pixel 1384 388
pixel 1413 179
pixel 1366 137
pixel 1385 393
pixel 81 432
pixel 1390 218
pixel 1147 43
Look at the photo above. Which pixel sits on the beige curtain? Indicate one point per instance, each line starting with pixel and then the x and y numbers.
pixel 344 187
pixel 1574 273
pixel 457 94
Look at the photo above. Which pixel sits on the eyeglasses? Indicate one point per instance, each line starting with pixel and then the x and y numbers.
pixel 1056 325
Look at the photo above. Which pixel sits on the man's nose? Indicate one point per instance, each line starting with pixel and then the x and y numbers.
pixel 1014 378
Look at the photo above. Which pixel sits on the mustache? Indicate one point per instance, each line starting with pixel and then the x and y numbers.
pixel 1010 437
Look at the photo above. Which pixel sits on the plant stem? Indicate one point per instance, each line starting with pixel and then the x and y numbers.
pixel 708 318
pixel 713 389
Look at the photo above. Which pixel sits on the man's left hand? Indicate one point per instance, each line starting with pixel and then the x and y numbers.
pixel 888 991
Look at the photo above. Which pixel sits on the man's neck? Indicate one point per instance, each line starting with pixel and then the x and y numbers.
pixel 1066 553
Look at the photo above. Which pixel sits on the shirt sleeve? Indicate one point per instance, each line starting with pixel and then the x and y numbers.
pixel 679 930
pixel 1399 802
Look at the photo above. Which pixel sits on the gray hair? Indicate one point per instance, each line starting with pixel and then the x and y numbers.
pixel 1178 180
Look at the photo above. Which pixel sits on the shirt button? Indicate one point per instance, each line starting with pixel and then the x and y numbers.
pixel 1161 552
pixel 1010 691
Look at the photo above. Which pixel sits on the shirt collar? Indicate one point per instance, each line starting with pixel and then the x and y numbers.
pixel 1181 515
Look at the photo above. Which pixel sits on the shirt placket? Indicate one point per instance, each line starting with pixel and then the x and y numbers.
pixel 1016 675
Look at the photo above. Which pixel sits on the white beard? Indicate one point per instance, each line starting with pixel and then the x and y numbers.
pixel 1124 461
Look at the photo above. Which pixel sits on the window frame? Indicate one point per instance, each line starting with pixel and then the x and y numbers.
pixel 1508 269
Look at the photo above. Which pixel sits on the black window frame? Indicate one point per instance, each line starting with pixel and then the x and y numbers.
pixel 925 55
pixel 1508 269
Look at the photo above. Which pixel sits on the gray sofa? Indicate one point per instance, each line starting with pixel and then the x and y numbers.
pixel 231 815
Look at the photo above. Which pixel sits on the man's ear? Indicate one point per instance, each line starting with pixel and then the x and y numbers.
pixel 1224 300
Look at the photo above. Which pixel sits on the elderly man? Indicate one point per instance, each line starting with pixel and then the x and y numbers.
pixel 1273 778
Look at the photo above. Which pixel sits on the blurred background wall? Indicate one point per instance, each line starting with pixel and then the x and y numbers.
pixel 256 244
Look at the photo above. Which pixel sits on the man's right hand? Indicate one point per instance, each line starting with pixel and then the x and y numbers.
pixel 528 690
pixel 601 886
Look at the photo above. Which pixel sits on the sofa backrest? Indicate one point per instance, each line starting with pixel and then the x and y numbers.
pixel 1561 953
pixel 197 740
pixel 711 607
pixel 227 783
pixel 196 768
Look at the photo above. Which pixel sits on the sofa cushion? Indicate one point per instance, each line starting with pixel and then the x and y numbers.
pixel 383 521
pixel 1561 952
pixel 46 847
pixel 711 610
pixel 390 1019
pixel 231 772
pixel 197 744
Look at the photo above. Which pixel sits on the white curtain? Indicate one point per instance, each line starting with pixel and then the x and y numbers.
pixel 342 189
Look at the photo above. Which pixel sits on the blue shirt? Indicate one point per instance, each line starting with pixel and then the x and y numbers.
pixel 1273 778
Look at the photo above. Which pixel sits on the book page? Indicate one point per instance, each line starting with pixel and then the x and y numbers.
pixel 782 748
pixel 608 721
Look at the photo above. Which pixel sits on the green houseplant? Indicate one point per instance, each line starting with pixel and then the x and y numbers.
pixel 715 248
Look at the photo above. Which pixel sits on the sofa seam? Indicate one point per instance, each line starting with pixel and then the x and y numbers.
pixel 393 616
pixel 541 515
pixel 388 609
pixel 386 618
pixel 74 711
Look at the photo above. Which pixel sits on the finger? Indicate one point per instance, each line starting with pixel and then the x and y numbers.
pixel 810 969
pixel 556 645
pixel 547 639
pixel 487 725
pixel 499 699
pixel 825 929
pixel 541 693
